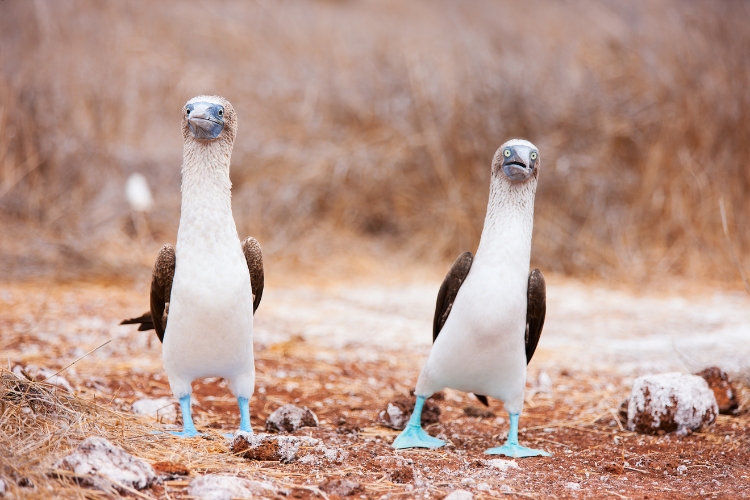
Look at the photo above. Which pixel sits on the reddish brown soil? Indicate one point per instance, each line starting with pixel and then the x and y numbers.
pixel 598 455
pixel 577 422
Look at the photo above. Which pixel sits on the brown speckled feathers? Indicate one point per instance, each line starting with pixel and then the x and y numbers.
pixel 163 275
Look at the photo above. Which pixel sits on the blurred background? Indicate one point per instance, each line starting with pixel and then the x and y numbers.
pixel 367 128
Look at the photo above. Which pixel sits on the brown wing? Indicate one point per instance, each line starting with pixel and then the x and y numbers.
pixel 448 291
pixel 536 310
pixel 447 294
pixel 254 258
pixel 161 289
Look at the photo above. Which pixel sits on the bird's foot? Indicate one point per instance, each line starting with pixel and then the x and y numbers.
pixel 188 433
pixel 516 451
pixel 416 437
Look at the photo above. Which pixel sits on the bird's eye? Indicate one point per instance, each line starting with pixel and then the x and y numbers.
pixel 534 155
pixel 221 112
pixel 506 153
pixel 187 113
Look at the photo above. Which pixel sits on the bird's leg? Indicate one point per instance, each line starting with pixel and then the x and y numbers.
pixel 244 415
pixel 188 428
pixel 511 448
pixel 413 436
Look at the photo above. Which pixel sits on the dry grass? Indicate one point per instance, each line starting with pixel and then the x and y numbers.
pixel 369 126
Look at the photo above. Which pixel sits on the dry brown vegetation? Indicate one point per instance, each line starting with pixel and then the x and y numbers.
pixel 370 125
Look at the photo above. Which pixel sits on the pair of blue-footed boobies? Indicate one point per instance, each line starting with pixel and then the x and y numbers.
pixel 489 314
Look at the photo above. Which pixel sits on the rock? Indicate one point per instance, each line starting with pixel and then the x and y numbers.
pixel 221 487
pixel 572 486
pixel 477 412
pixel 402 475
pixel 719 382
pixel 289 418
pixel 2 487
pixel 342 487
pixel 270 447
pixel 614 468
pixel 398 412
pixel 161 409
pixel 670 402
pixel 460 495
pixel 502 465
pixel 38 374
pixel 483 487
pixel 171 470
pixel 101 464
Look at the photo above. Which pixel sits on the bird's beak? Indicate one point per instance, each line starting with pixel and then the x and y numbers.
pixel 518 166
pixel 206 120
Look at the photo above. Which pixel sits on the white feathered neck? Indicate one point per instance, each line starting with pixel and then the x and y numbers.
pixel 510 217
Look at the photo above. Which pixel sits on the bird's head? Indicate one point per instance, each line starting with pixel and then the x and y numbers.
pixel 208 118
pixel 517 160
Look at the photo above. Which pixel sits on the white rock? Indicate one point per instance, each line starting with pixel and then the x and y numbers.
pixel 572 486
pixel 468 480
pixel 671 402
pixel 221 487
pixel 290 418
pixel 2 488
pixel 100 462
pixel 460 495
pixel 483 487
pixel 45 375
pixel 505 488
pixel 502 465
pixel 397 417
pixel 161 409
pixel 281 448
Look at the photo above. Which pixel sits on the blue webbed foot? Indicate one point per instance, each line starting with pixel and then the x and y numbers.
pixel 245 427
pixel 186 433
pixel 189 429
pixel 416 437
pixel 516 451
pixel 511 448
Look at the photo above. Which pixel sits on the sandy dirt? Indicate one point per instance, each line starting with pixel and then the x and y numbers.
pixel 345 351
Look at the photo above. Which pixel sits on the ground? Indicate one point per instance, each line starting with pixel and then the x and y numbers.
pixel 344 351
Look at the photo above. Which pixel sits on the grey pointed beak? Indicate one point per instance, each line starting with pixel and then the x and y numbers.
pixel 205 119
pixel 518 165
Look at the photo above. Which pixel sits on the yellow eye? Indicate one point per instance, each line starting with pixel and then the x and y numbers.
pixel 534 155
pixel 506 153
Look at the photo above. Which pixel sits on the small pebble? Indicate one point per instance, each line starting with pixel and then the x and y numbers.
pixel 460 495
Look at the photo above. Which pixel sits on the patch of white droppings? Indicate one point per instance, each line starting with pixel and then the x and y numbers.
pixel 501 465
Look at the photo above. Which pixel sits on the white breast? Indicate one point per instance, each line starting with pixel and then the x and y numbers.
pixel 209 331
pixel 481 347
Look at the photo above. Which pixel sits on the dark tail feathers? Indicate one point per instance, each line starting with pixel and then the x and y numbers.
pixel 145 322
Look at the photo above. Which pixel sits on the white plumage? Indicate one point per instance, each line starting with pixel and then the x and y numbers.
pixel 209 332
pixel 481 347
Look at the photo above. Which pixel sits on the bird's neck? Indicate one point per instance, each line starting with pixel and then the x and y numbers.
pixel 506 236
pixel 206 210
pixel 205 177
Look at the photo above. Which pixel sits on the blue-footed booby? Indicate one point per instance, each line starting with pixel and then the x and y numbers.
pixel 490 310
pixel 205 291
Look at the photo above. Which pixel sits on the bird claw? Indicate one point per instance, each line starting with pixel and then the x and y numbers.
pixel 516 451
pixel 416 437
